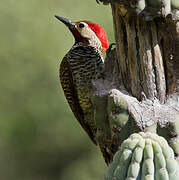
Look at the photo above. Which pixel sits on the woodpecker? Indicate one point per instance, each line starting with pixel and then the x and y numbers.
pixel 82 64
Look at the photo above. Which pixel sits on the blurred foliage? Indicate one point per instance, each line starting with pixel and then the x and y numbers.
pixel 39 137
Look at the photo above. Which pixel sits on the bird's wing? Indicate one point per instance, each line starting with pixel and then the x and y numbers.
pixel 72 98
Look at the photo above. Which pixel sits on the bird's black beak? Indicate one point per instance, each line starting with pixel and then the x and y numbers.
pixel 67 22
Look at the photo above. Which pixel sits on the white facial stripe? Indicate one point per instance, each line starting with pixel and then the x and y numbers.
pixel 85 31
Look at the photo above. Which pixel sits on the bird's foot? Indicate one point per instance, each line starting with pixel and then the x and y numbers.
pixel 110 48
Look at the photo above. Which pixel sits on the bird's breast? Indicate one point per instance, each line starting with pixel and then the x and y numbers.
pixel 85 67
pixel 86 64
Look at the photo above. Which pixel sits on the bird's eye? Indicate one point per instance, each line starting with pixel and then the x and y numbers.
pixel 81 25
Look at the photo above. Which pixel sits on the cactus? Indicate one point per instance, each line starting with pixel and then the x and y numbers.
pixel 144 156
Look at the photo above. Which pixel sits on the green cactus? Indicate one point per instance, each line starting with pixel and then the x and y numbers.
pixel 144 156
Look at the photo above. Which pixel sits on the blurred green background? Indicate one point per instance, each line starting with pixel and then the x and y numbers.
pixel 39 137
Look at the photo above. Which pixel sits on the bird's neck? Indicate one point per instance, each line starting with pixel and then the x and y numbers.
pixel 93 42
pixel 97 45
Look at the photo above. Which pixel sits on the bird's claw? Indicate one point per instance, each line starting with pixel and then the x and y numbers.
pixel 110 48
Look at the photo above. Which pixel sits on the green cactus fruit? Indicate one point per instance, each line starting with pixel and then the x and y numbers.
pixel 144 156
